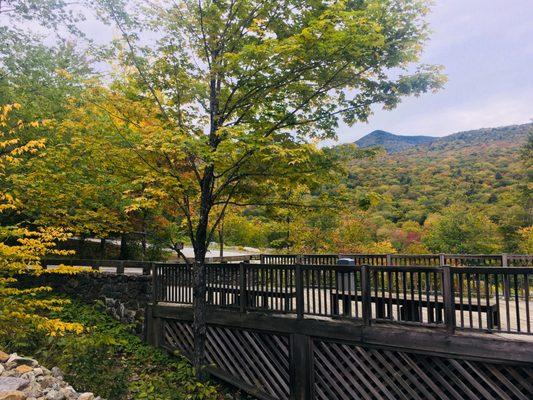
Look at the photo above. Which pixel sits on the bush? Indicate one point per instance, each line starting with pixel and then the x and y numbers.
pixel 110 361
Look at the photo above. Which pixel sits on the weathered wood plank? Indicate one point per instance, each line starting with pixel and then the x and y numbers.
pixel 434 341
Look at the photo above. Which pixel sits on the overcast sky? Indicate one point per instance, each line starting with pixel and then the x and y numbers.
pixel 486 47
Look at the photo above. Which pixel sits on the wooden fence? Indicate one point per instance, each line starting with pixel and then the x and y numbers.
pixel 279 358
pixel 479 260
pixel 300 331
pixel 117 266
pixel 124 266
pixel 493 299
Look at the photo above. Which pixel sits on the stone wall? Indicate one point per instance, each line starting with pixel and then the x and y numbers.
pixel 125 296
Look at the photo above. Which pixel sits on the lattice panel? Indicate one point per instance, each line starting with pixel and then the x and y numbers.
pixel 258 359
pixel 352 372
pixel 178 335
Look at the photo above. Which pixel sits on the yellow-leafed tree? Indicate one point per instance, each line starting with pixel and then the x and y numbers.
pixel 21 247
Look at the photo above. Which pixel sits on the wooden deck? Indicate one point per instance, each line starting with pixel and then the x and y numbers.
pixel 326 332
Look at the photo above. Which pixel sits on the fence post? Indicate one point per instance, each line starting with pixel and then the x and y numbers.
pixel 155 292
pixel 147 267
pixel 301 367
pixel 242 286
pixel 366 294
pixel 506 286
pixel 120 268
pixel 447 292
pixel 299 290
pixel 442 259
pixel 389 260
pixel 153 327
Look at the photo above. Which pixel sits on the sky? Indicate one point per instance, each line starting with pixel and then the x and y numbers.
pixel 486 48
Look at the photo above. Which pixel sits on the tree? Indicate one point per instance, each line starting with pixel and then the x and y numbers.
pixel 49 13
pixel 242 86
pixel 356 233
pixel 22 247
pixel 526 240
pixel 461 230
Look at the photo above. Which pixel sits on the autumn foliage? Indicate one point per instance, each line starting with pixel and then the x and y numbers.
pixel 22 247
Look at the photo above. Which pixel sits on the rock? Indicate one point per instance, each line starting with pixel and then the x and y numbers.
pixel 69 393
pixel 13 395
pixel 29 376
pixel 15 359
pixel 56 372
pixel 8 384
pixel 10 373
pixel 3 356
pixel 55 395
pixel 47 381
pixel 33 390
pixel 22 369
pixel 23 378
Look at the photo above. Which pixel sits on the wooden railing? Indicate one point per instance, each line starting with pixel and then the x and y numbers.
pixel 493 299
pixel 480 260
pixel 116 266
pixel 120 266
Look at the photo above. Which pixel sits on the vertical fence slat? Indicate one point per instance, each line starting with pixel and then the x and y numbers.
pixel 447 289
pixel 366 294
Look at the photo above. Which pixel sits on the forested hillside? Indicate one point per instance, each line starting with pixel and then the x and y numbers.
pixel 467 192
pixel 481 169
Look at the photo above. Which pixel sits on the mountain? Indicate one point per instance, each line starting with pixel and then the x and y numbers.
pixel 484 170
pixel 509 136
pixel 392 143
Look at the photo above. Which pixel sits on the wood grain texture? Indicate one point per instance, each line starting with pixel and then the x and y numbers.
pixel 257 359
pixel 345 371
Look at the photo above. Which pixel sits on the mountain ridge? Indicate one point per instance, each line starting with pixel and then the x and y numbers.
pixel 391 142
pixel 394 143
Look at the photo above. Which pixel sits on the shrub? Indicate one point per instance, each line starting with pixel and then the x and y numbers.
pixel 109 360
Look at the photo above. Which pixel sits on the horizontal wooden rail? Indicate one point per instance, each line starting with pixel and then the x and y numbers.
pixel 491 299
pixel 403 259
pixel 120 265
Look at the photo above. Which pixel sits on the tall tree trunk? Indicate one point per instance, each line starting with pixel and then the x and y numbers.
pixel 199 314
pixel 102 248
pixel 143 238
pixel 221 241
pixel 200 238
pixel 199 290
pixel 288 235
pixel 81 246
pixel 123 247
pixel 143 244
